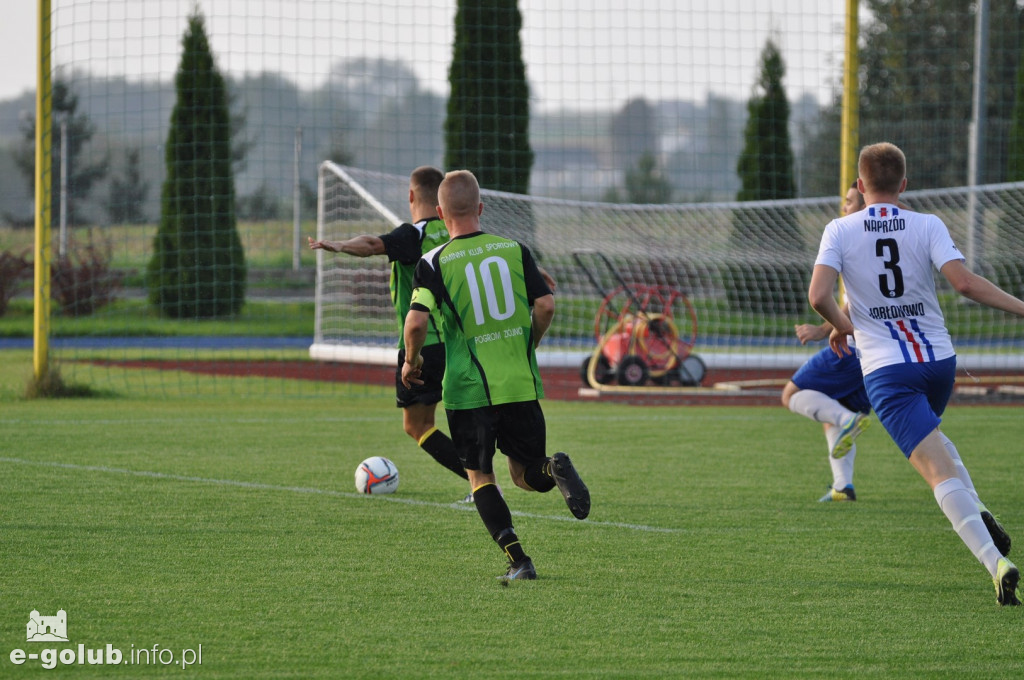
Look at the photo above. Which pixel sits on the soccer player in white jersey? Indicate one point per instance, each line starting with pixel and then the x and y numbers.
pixel 886 254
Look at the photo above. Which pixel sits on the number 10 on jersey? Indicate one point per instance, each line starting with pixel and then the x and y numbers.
pixel 496 280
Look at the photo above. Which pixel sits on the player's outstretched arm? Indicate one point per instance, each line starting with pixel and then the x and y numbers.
pixel 359 246
pixel 978 288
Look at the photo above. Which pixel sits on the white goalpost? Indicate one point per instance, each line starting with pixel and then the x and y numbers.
pixel 740 269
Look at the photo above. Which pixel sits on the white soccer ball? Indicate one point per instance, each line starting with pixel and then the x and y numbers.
pixel 376 475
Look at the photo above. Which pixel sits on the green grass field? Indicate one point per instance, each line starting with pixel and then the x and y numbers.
pixel 232 523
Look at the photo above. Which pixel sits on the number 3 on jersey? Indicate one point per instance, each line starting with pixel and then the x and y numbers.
pixel 887 247
pixel 494 275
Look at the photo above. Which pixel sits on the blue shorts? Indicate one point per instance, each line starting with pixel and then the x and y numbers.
pixel 837 377
pixel 909 398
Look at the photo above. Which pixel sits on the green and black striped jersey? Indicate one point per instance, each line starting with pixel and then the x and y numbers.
pixel 484 287
pixel 405 245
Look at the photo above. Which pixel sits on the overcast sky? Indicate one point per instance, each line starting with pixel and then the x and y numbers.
pixel 17 47
pixel 602 52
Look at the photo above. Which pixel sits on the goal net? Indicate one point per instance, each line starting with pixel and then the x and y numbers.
pixel 629 103
pixel 731 278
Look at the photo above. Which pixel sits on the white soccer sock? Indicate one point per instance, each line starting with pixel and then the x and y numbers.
pixel 842 468
pixel 961 510
pixel 961 470
pixel 820 407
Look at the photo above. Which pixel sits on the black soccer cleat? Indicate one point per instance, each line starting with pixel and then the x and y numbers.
pixel 522 570
pixel 575 492
pixel 999 535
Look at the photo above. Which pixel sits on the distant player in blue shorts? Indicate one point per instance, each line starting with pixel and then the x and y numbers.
pixel 886 255
pixel 829 389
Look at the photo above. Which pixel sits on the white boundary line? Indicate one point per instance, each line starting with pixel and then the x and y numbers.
pixel 322 492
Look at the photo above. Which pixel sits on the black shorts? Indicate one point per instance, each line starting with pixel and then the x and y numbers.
pixel 433 370
pixel 518 430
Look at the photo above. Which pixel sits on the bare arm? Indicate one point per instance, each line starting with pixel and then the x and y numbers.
pixel 978 288
pixel 415 335
pixel 809 332
pixel 823 282
pixel 359 246
pixel 548 279
pixel 543 313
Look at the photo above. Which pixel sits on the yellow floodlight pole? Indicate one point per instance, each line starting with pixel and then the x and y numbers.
pixel 43 246
pixel 849 134
pixel 849 126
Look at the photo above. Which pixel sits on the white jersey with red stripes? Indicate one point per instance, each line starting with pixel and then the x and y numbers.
pixel 886 256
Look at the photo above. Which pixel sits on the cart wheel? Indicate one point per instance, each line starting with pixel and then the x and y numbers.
pixel 691 371
pixel 602 372
pixel 632 372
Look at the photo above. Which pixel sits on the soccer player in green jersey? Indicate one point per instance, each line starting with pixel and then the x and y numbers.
pixel 404 246
pixel 495 307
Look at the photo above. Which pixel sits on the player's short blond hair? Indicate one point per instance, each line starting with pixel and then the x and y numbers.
pixel 882 167
pixel 459 194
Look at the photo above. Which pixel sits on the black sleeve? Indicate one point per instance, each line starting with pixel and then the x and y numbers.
pixel 535 285
pixel 402 244
pixel 424 276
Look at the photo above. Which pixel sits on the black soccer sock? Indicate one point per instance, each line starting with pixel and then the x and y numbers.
pixel 538 476
pixel 498 519
pixel 442 449
pixel 509 542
